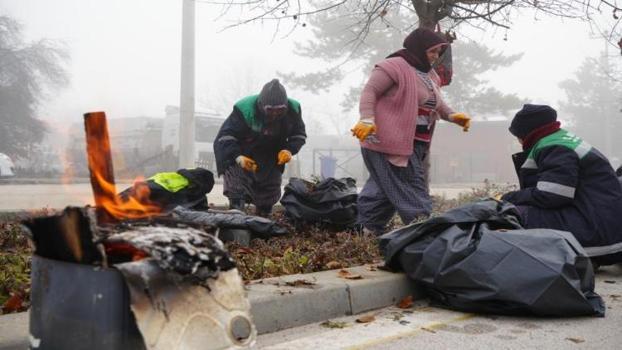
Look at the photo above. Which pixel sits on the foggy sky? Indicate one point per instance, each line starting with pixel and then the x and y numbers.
pixel 125 56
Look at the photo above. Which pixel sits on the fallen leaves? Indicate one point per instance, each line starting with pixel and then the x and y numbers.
pixel 406 303
pixel 396 316
pixel 332 265
pixel 299 283
pixel 15 303
pixel 311 249
pixel 348 275
pixel 371 267
pixel 244 251
pixel 334 324
pixel 366 318
pixel 428 330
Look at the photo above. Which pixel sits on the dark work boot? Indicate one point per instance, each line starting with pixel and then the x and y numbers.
pixel 237 203
pixel 263 211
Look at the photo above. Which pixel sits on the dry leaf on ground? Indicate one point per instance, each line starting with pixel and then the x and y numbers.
pixel 300 283
pixel 331 265
pixel 349 275
pixel 366 319
pixel 13 304
pixel 576 340
pixel 333 324
pixel 371 267
pixel 406 303
pixel 244 250
pixel 396 316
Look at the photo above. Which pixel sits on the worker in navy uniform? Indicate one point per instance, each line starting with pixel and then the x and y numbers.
pixel 566 184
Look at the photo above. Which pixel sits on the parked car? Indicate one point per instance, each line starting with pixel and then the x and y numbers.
pixel 7 168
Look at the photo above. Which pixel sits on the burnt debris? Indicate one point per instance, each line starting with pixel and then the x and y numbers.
pixel 193 254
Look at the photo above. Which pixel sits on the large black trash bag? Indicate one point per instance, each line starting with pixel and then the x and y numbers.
pixel 478 258
pixel 331 201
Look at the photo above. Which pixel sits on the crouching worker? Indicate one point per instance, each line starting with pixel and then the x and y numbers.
pixel 186 188
pixel 566 184
pixel 253 145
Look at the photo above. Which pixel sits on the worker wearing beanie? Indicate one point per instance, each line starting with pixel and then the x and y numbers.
pixel 259 137
pixel 566 184
pixel 185 187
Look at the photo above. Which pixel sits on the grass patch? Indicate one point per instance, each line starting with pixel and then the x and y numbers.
pixel 310 250
pixel 15 253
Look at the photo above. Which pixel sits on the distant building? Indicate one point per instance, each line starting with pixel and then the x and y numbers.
pixel 206 128
pixel 482 153
pixel 146 145
pixel 136 146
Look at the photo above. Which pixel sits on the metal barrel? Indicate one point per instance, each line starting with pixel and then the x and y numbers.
pixel 77 306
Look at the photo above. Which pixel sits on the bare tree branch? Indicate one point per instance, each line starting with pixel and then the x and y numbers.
pixel 429 13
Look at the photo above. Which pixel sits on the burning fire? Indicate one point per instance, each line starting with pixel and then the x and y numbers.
pixel 136 206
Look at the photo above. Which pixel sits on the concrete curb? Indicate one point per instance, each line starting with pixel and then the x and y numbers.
pixel 281 302
pixel 275 305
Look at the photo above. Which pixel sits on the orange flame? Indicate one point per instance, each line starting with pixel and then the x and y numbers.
pixel 136 206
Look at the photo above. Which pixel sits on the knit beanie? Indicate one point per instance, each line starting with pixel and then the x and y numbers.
pixel 272 94
pixel 531 117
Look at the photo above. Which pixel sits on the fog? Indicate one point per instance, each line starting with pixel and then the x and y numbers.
pixel 125 60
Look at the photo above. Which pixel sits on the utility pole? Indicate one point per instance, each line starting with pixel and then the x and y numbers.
pixel 186 95
pixel 608 126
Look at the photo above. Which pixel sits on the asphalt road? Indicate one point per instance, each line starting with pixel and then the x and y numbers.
pixel 425 327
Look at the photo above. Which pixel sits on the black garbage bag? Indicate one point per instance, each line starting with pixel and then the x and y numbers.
pixel 331 201
pixel 259 227
pixel 478 258
pixel 619 174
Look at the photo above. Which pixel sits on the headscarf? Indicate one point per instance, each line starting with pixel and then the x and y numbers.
pixel 416 44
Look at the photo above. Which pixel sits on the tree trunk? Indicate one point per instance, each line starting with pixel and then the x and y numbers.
pixel 431 12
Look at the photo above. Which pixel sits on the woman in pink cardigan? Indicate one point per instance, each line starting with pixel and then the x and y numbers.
pixel 399 106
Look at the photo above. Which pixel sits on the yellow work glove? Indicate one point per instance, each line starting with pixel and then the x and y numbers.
pixel 461 119
pixel 246 163
pixel 283 157
pixel 362 129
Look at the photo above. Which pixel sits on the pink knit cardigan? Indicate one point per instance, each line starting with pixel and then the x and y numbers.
pixel 394 111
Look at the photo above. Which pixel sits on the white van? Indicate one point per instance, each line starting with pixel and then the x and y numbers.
pixel 6 166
